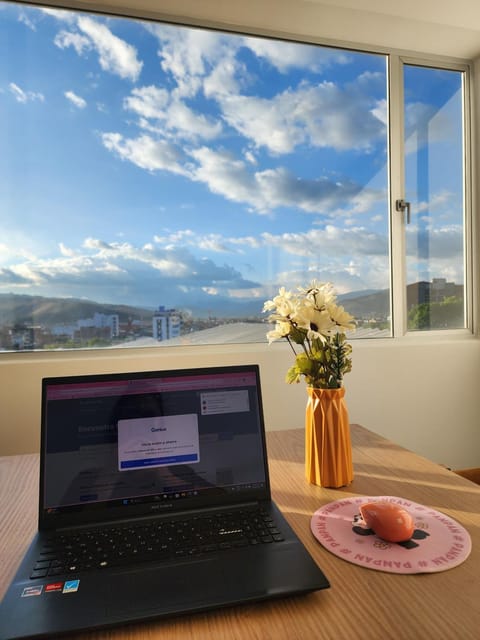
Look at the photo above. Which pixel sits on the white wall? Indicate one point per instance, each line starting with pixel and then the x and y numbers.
pixel 423 395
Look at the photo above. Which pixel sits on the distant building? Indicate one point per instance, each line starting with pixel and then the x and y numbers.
pixel 28 337
pixel 166 324
pixel 63 330
pixel 23 338
pixel 103 322
pixel 435 291
pixel 100 326
pixel 441 289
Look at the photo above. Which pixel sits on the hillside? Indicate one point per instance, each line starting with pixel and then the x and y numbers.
pixel 24 309
pixel 367 305
pixel 39 310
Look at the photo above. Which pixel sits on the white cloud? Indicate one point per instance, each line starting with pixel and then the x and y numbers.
pixel 149 102
pixel 137 271
pixel 145 152
pixel 170 114
pixel 281 188
pixel 333 244
pixel 66 251
pixel 380 111
pixel 11 277
pixel 250 157
pixel 441 243
pixel 366 273
pixel 267 123
pixel 323 116
pixel 77 101
pixel 232 178
pixel 25 19
pixel 287 55
pixel 59 14
pixel 266 190
pixel 80 43
pixel 436 201
pixel 227 176
pixel 115 55
pixel 182 237
pixel 172 268
pixel 189 55
pixel 187 123
pixel 94 243
pixel 425 124
pixel 332 241
pixel 24 96
pixel 226 77
pixel 211 242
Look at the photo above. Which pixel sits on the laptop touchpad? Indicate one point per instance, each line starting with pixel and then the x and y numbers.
pixel 167 589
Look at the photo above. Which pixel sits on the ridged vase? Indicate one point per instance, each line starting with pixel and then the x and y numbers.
pixel 328 448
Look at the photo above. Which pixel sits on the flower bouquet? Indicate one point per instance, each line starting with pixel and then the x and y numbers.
pixel 314 326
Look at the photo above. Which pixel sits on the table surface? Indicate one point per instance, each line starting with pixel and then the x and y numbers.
pixel 362 603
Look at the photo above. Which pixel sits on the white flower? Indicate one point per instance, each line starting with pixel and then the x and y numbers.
pixel 314 326
pixel 320 294
pixel 317 322
pixel 283 304
pixel 342 319
pixel 282 329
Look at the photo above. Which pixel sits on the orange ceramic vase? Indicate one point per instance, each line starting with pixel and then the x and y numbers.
pixel 328 449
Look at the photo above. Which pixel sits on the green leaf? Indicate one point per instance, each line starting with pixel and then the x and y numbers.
pixel 304 364
pixel 298 336
pixel 293 375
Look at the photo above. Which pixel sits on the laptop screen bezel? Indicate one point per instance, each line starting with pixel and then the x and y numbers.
pixel 51 519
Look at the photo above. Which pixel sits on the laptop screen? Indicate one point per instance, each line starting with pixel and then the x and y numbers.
pixel 125 444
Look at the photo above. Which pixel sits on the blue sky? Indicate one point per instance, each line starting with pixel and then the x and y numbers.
pixel 148 164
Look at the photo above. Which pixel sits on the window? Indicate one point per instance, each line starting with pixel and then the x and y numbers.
pixel 158 183
pixel 435 188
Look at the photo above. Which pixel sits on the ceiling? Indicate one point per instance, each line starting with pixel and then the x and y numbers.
pixel 443 27
pixel 448 28
pixel 464 14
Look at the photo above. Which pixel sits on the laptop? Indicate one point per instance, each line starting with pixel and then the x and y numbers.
pixel 154 501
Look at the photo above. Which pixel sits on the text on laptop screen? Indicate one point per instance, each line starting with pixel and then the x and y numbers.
pixel 153 438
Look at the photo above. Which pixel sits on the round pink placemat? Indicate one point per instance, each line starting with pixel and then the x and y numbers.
pixel 438 542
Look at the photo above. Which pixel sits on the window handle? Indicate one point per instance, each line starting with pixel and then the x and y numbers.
pixel 403 205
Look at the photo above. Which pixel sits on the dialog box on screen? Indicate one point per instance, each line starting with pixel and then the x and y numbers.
pixel 158 441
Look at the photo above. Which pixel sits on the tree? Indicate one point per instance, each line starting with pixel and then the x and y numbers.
pixel 448 314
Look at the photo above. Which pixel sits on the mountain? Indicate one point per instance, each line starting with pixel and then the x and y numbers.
pixel 39 310
pixel 367 305
pixel 25 309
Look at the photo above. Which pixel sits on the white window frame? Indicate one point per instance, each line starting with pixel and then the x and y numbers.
pixel 398 278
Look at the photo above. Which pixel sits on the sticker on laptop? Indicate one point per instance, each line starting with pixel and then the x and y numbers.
pixel 53 586
pixel 71 586
pixel 32 591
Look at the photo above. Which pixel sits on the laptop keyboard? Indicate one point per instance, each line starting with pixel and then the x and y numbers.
pixel 95 549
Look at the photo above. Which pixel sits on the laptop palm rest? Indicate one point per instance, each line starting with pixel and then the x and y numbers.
pixel 211 583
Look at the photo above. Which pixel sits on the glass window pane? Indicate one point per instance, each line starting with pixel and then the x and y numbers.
pixel 435 188
pixel 159 183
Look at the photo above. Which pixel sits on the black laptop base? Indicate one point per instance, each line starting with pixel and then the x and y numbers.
pixel 59 605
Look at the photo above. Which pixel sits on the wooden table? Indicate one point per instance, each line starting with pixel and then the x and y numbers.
pixel 361 604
